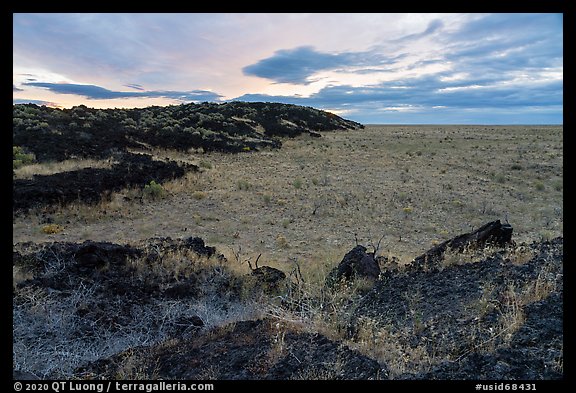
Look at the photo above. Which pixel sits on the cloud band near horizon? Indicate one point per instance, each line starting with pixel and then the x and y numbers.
pixel 94 92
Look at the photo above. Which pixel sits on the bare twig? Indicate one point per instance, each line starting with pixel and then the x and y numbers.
pixel 296 272
pixel 377 246
pixel 236 254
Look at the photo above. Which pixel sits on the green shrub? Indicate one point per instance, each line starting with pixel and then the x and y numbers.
pixel 297 184
pixel 539 186
pixel 500 178
pixel 243 185
pixel 205 164
pixel 21 158
pixel 154 190
pixel 558 185
pixel 546 235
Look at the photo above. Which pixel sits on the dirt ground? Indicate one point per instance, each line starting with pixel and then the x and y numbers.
pixel 311 200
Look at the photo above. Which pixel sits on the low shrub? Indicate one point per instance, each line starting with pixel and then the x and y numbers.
pixel 205 164
pixel 243 185
pixel 198 195
pixel 154 190
pixel 21 158
pixel 51 229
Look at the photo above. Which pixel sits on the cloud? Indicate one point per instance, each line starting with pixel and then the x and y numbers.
pixel 298 65
pixel 433 27
pixel 135 86
pixel 14 88
pixel 157 50
pixel 503 42
pixel 99 93
pixel 434 95
pixel 294 65
pixel 509 27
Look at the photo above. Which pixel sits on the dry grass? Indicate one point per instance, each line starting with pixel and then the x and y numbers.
pixel 52 229
pixel 391 348
pixel 20 275
pixel 517 255
pixel 48 339
pixel 133 367
pixel 538 289
pixel 415 185
pixel 513 316
pixel 316 374
pixel 511 306
pixel 50 168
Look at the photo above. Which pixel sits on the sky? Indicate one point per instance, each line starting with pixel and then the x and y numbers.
pixel 372 68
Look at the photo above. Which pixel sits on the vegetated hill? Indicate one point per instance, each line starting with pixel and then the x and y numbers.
pixel 57 134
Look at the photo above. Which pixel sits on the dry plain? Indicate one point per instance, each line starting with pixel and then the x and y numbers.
pixel 311 200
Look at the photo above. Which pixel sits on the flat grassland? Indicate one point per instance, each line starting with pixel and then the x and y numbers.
pixel 312 200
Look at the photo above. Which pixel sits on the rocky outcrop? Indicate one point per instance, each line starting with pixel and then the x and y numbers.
pixel 268 275
pixel 481 316
pixel 494 233
pixel 248 350
pixel 356 263
pixel 161 245
pixel 534 352
pixel 91 185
